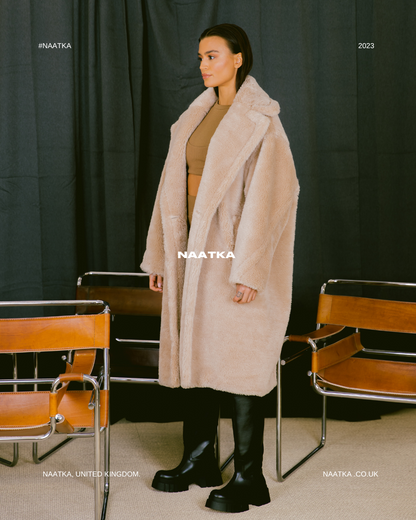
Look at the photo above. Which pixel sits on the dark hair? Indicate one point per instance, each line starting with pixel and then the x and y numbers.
pixel 237 41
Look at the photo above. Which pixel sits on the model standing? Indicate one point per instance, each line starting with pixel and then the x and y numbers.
pixel 227 196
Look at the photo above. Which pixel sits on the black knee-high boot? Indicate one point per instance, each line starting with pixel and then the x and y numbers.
pixel 248 485
pixel 198 465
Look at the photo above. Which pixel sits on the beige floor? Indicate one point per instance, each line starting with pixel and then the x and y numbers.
pixel 385 449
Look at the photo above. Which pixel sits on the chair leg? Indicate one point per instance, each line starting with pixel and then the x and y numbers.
pixel 283 477
pixel 217 448
pixel 13 462
pixel 230 458
pixel 217 441
pixel 106 381
pixel 97 456
pixel 106 470
pixel 38 460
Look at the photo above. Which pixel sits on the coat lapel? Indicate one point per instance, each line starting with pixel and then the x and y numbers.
pixel 174 187
pixel 236 137
pixel 174 192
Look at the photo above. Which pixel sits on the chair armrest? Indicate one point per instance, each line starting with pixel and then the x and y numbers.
pixel 322 333
pixel 336 353
pixel 55 397
pixel 67 377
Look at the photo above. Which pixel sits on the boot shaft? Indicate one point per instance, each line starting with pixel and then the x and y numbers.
pixel 248 428
pixel 200 420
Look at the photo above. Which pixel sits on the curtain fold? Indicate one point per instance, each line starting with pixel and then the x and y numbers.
pixel 85 131
pixel 70 142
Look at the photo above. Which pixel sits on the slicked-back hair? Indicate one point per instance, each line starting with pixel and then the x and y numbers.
pixel 237 41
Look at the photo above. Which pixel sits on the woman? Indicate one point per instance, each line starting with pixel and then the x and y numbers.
pixel 226 306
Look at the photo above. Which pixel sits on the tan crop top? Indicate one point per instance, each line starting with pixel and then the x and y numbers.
pixel 196 151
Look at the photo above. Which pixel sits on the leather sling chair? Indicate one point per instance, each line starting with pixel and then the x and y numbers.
pixel 335 372
pixel 132 360
pixel 33 415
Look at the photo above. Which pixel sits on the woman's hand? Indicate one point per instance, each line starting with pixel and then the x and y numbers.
pixel 156 282
pixel 244 294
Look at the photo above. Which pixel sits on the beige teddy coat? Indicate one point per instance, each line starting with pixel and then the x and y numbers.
pixel 246 204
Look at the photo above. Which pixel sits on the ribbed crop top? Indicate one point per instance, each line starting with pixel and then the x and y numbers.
pixel 196 151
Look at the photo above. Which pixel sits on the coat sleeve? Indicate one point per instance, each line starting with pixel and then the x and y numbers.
pixel 154 256
pixel 271 193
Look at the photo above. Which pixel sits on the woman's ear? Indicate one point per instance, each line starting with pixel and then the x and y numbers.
pixel 238 60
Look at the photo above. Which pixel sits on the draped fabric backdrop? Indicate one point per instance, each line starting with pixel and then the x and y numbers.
pixel 84 131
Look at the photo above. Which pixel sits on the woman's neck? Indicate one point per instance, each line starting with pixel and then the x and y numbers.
pixel 226 95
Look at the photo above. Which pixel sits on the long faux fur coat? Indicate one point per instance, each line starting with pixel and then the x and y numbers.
pixel 246 204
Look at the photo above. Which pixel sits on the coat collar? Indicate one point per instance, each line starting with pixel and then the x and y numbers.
pixel 236 137
pixel 250 95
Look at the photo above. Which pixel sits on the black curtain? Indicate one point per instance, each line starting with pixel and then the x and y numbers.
pixel 85 118
pixel 349 113
pixel 70 97
pixel 85 130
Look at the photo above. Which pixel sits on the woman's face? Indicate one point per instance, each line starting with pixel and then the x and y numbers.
pixel 218 64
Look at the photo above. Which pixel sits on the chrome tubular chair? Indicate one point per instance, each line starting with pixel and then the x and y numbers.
pixel 336 373
pixel 33 416
pixel 142 355
pixel 133 360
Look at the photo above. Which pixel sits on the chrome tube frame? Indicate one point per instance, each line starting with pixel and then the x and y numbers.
pixel 84 434
pixel 280 476
pixel 57 303
pixel 99 512
pixel 362 395
pixel 43 380
pixel 100 507
pixel 151 341
pixel 13 462
pixel 225 464
pixel 38 459
pixel 217 440
pixel 107 273
pixel 324 392
pixel 31 438
pixel 137 380
pixel 124 379
pixel 389 352
pixel 106 435
pixel 218 448
pixel 341 281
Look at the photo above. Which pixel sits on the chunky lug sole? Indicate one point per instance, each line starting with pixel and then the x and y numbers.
pixel 228 505
pixel 235 505
pixel 175 485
